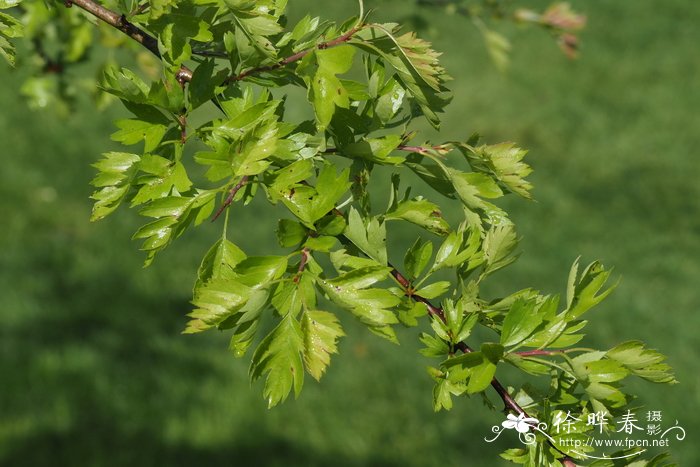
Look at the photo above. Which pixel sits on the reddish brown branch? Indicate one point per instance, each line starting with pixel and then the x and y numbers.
pixel 302 264
pixel 296 57
pixel 229 199
pixel 406 285
pixel 508 401
pixel 120 22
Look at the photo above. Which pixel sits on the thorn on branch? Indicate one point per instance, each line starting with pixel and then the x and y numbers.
pixel 231 195
pixel 302 264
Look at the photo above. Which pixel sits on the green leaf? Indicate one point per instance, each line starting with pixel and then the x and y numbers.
pixel 258 271
pixel 390 101
pixel 174 214
pixel 410 311
pixel 460 248
pixel 5 4
pixel 309 203
pixel 278 358
pixel 176 31
pixel 642 362
pixel 204 82
pixel 588 290
pixel 7 50
pixel 446 385
pixel 219 262
pixel 158 179
pixel 480 366
pixel 528 365
pixel 504 163
pixel 520 322
pixel 375 149
pixel 499 243
pixel 131 131
pixel 421 212
pixel 370 237
pixel 282 181
pixel 257 147
pixel 125 85
pixel 416 64
pixel 116 172
pixel 321 243
pixel 434 290
pixel 292 295
pixel 372 306
pixel 434 346
pixel 290 233
pixel 321 331
pixel 215 302
pixel 9 28
pixel 417 257
pixel 326 91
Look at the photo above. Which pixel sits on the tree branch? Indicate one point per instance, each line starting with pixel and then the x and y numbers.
pixel 302 264
pixel 508 401
pixel 120 22
pixel 231 194
pixel 296 57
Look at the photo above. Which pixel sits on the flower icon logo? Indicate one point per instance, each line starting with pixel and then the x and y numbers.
pixel 521 423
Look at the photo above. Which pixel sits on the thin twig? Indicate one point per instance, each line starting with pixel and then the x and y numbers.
pixel 296 57
pixel 540 352
pixel 302 264
pixel 121 23
pixel 231 195
pixel 402 147
pixel 508 401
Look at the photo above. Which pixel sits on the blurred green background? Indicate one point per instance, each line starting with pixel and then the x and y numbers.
pixel 94 370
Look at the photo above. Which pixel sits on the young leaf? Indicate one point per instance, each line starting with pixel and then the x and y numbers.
pixel 642 362
pixel 369 237
pixel 504 163
pixel 219 262
pixel 290 233
pixel 588 292
pixel 116 172
pixel 278 357
pixel 417 257
pixel 326 91
pixel 321 331
pixel 520 322
pixel 420 212
pixel 499 243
